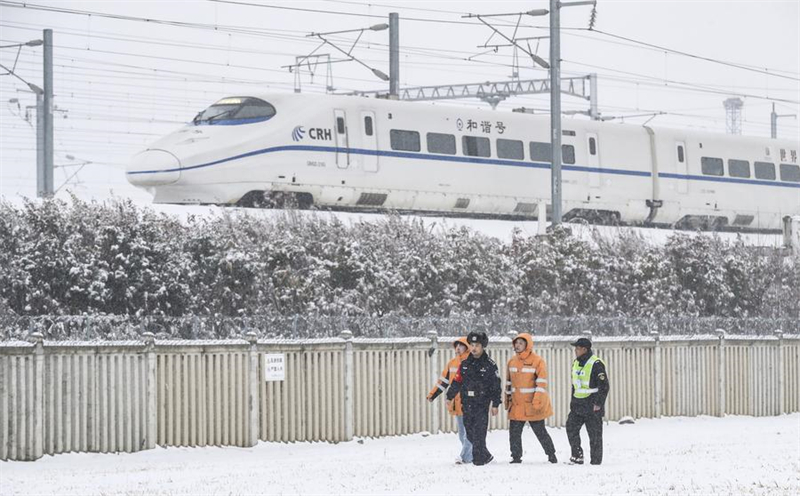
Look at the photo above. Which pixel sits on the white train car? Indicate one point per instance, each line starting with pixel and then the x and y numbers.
pixel 351 152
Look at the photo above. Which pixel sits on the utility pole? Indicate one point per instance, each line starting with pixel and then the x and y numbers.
pixel 47 104
pixel 555 113
pixel 555 103
pixel 394 55
pixel 40 169
pixel 42 189
pixel 773 121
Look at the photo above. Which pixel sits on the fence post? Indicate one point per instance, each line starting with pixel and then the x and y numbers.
pixel 432 372
pixel 657 378
pixel 152 387
pixel 781 378
pixel 38 398
pixel 721 372
pixel 253 381
pixel 349 408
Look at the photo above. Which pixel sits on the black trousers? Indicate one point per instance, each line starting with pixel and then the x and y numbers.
pixel 476 423
pixel 515 437
pixel 594 426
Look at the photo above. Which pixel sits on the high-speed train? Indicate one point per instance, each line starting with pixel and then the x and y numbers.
pixel 347 152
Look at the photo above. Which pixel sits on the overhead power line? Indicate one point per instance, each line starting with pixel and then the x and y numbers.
pixel 335 12
pixel 699 57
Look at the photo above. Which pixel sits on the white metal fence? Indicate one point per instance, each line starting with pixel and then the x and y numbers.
pixel 129 396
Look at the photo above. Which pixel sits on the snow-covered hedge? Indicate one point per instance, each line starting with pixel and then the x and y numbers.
pixel 61 258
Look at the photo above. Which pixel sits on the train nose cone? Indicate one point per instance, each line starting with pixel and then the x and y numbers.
pixel 153 168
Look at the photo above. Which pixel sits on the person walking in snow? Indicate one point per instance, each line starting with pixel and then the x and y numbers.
pixel 461 348
pixel 589 392
pixel 527 398
pixel 478 382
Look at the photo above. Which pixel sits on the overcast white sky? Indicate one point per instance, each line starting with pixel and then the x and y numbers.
pixel 124 82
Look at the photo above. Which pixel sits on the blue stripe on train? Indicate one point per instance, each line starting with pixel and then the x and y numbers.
pixel 395 154
pixel 472 160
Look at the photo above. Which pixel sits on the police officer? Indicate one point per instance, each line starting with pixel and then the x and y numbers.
pixel 478 381
pixel 589 391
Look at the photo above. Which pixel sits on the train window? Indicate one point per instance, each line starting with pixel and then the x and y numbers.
pixel 592 146
pixel 790 172
pixel 738 168
pixel 475 146
pixel 567 132
pixel 441 143
pixel 512 149
pixel 680 153
pixel 368 125
pixel 235 110
pixel 712 166
pixel 404 140
pixel 568 154
pixel 540 152
pixel 340 125
pixel 764 170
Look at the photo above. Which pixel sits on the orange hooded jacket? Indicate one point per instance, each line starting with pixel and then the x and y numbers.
pixel 527 397
pixel 447 375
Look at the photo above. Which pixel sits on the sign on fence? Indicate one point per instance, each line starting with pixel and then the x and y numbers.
pixel 274 367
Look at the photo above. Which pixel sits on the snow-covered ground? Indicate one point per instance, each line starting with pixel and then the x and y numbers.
pixel 704 455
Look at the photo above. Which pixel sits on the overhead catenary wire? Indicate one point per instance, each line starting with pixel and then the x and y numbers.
pixel 704 89
pixel 261 32
pixel 298 39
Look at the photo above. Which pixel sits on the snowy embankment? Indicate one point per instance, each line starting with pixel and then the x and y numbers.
pixel 704 455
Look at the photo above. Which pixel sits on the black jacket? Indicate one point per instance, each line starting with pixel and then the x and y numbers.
pixel 599 380
pixel 478 381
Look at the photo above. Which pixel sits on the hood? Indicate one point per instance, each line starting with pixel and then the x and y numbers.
pixel 462 340
pixel 529 340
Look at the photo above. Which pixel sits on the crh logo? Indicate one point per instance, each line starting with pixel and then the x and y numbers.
pixel 298 133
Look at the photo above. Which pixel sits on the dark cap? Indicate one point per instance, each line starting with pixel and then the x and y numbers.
pixel 584 342
pixel 478 337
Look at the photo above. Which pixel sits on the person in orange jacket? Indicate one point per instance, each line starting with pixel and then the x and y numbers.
pixel 461 348
pixel 527 399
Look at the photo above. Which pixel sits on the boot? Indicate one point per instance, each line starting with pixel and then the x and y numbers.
pixel 552 458
pixel 516 460
pixel 576 460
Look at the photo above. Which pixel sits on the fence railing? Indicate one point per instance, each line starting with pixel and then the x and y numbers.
pixel 58 397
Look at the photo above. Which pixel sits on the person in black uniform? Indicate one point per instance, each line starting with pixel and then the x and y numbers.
pixel 589 391
pixel 478 381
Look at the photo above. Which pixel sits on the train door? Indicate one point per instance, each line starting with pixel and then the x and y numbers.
pixel 369 139
pixel 342 139
pixel 682 166
pixel 593 147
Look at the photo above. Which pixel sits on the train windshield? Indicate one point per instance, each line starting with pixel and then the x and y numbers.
pixel 235 110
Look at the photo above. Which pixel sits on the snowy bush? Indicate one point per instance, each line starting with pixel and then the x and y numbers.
pixel 113 269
